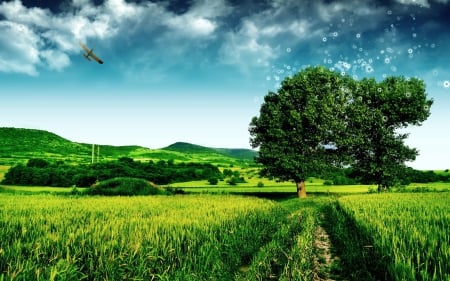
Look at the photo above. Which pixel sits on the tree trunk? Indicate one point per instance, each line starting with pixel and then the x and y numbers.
pixel 301 190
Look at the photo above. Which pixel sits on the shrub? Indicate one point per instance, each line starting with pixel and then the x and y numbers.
pixel 37 163
pixel 235 180
pixel 213 181
pixel 125 186
pixel 260 184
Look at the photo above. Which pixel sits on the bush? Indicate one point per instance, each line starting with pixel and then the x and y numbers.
pixel 328 182
pixel 235 180
pixel 213 181
pixel 125 186
pixel 260 184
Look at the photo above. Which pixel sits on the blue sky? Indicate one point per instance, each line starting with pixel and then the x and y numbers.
pixel 197 71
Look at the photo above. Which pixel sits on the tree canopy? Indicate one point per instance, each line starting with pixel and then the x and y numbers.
pixel 319 120
pixel 379 152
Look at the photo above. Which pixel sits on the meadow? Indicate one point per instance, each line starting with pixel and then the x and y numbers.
pixel 48 237
pixel 393 236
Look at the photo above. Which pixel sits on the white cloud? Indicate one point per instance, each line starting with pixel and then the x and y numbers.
pixel 191 25
pixel 423 3
pixel 38 35
pixel 259 38
pixel 56 60
pixel 32 17
pixel 201 20
pixel 247 47
pixel 337 9
pixel 59 34
pixel 19 51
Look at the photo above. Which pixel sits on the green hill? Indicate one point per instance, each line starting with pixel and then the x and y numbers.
pixel 189 148
pixel 29 143
pixel 238 153
pixel 18 145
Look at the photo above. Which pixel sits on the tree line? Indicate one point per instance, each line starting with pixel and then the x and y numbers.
pixel 39 172
pixel 350 176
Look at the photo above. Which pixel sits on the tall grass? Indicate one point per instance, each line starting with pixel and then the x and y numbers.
pixel 46 237
pixel 290 253
pixel 403 236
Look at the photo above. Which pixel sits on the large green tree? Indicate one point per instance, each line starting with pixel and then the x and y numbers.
pixel 319 120
pixel 300 128
pixel 380 112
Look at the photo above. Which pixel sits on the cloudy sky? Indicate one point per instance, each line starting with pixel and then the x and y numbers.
pixel 197 71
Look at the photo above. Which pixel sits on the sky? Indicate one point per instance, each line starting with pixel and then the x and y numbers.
pixel 197 71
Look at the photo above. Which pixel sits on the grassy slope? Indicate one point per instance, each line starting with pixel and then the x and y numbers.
pixel 21 144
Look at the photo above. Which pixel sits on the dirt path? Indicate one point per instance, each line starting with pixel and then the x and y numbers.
pixel 326 264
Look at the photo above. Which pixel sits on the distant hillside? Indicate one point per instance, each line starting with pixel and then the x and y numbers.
pixel 17 145
pixel 185 147
pixel 238 153
pixel 29 142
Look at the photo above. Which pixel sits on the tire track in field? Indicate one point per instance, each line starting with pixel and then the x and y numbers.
pixel 326 263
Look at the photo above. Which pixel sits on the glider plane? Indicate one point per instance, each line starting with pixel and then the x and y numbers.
pixel 90 54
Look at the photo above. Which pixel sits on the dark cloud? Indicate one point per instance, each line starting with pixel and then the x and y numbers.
pixel 244 34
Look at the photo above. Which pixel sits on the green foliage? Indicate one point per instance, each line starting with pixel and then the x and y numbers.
pixel 319 120
pixel 394 236
pixel 213 181
pixel 379 111
pixel 124 186
pixel 242 154
pixel 63 175
pixel 234 180
pixel 28 142
pixel 227 173
pixel 37 163
pixel 19 145
pixel 299 129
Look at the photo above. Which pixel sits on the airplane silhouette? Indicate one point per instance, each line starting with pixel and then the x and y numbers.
pixel 90 54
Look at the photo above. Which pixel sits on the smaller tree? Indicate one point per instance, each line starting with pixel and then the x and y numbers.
pixel 379 112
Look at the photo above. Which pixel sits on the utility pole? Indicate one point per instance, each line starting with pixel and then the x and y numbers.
pixel 93 146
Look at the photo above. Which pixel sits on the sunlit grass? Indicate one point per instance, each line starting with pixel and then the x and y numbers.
pixel 410 232
pixel 3 170
pixel 38 189
pixel 198 237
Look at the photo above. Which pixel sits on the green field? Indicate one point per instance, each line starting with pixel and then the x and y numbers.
pixel 46 237
pixel 222 237
pixel 254 230
pixel 403 236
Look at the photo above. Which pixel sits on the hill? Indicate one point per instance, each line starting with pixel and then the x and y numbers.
pixel 189 148
pixel 29 143
pixel 238 153
pixel 18 145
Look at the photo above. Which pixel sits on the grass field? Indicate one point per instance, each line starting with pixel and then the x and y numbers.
pixel 221 237
pixel 314 186
pixel 3 170
pixel 46 237
pixel 399 236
